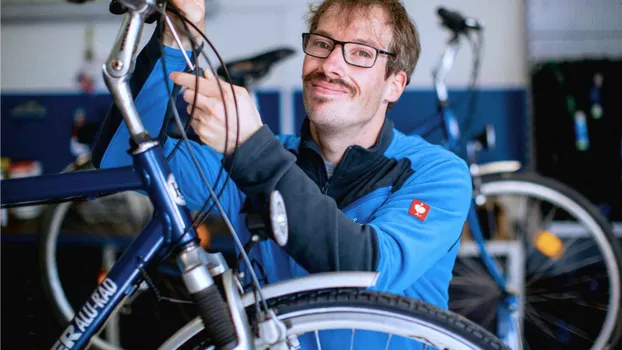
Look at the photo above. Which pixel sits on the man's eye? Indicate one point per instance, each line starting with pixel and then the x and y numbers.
pixel 363 54
pixel 322 45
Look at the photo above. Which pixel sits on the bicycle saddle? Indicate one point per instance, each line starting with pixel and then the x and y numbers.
pixel 244 72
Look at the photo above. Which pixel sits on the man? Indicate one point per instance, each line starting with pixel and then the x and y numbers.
pixel 359 194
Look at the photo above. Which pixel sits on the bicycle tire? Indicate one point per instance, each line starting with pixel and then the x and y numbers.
pixel 530 184
pixel 375 311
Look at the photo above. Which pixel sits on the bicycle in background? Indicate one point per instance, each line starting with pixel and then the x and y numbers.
pixel 539 265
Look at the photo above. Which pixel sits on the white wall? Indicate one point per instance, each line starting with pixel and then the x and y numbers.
pixel 46 56
pixel 578 29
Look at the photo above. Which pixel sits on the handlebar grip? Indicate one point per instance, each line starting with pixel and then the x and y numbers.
pixel 452 20
pixel 457 23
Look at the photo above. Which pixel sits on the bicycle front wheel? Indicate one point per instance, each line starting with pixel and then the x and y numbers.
pixel 557 252
pixel 351 318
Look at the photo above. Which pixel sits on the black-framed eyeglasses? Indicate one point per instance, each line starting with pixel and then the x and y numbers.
pixel 356 54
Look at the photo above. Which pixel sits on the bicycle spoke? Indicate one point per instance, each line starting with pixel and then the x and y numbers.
pixel 532 257
pixel 548 218
pixel 576 300
pixel 525 234
pixel 469 310
pixel 530 249
pixel 530 315
pixel 317 340
pixel 488 320
pixel 389 342
pixel 576 266
pixel 475 269
pixel 574 330
pixel 545 267
pixel 585 279
pixel 543 297
pixel 478 290
pixel 593 306
pixel 482 282
pixel 544 225
pixel 469 265
pixel 532 218
pixel 461 303
pixel 576 280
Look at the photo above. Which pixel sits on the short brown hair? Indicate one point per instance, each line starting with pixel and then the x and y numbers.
pixel 405 43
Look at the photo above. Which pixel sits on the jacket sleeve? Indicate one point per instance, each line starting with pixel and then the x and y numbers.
pixel 421 222
pixel 151 100
pixel 323 238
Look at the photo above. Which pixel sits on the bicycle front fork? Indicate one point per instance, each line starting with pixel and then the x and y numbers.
pixel 224 319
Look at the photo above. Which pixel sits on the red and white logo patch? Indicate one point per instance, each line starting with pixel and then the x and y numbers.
pixel 419 209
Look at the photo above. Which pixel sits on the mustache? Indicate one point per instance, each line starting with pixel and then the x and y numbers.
pixel 319 76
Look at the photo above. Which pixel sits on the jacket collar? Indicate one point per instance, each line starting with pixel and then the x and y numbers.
pixel 356 160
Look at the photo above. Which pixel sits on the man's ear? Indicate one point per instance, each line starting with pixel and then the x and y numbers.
pixel 397 86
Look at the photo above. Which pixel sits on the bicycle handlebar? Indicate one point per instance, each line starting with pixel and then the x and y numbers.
pixel 458 24
pixel 440 73
pixel 120 63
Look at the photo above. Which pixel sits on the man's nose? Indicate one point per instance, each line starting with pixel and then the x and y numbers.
pixel 335 64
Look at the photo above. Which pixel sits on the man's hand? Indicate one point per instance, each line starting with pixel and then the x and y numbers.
pixel 209 114
pixel 194 11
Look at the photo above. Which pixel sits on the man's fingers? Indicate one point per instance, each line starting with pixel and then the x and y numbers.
pixel 197 127
pixel 207 87
pixel 179 3
pixel 196 110
pixel 186 80
pixel 195 123
pixel 202 101
pixel 207 74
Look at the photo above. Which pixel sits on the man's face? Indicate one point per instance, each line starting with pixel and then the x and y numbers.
pixel 338 95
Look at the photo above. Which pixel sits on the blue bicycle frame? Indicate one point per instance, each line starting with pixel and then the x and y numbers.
pixel 171 225
pixel 149 173
pixel 507 311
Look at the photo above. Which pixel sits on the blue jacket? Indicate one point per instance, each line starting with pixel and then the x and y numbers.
pixel 397 208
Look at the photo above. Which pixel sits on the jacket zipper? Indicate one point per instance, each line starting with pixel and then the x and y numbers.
pixel 327 183
pixel 325 187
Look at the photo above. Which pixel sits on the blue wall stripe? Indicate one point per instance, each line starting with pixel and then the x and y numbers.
pixel 46 136
pixel 503 108
pixel 43 131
